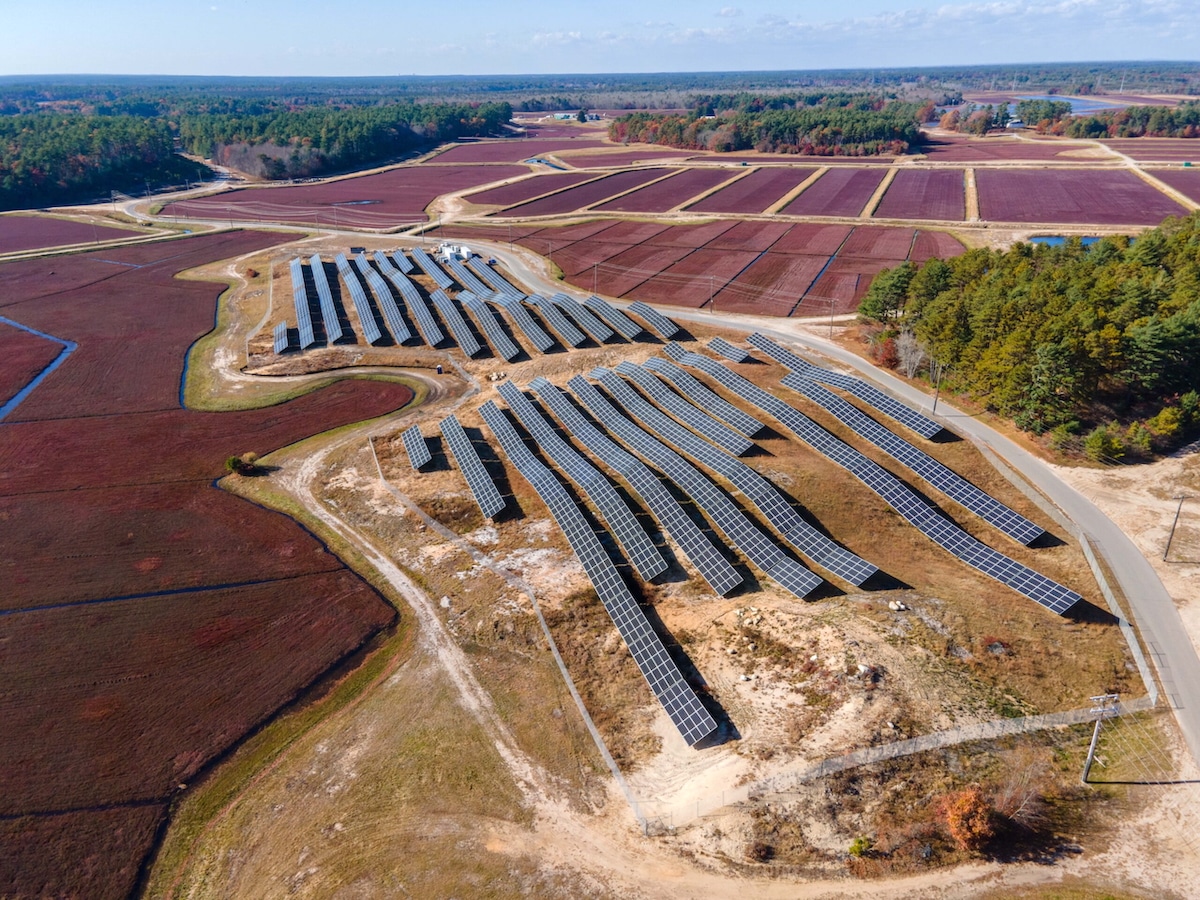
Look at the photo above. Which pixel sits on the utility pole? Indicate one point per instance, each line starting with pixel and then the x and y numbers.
pixel 595 275
pixel 1171 536
pixel 938 391
pixel 1105 707
pixel 711 292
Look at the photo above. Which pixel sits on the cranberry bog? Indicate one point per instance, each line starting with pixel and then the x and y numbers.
pixel 22 356
pixel 1186 181
pixel 18 233
pixel 925 194
pixel 669 193
pixel 1002 148
pixel 695 279
pixel 1176 150
pixel 839 192
pixel 585 195
pixel 528 188
pixel 755 192
pixel 1078 197
pixel 621 158
pixel 383 200
pixel 772 286
pixel 151 620
pixel 509 150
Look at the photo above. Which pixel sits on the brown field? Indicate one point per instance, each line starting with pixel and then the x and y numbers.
pixel 622 158
pixel 755 192
pixel 584 195
pixel 383 200
pixel 22 356
pixel 527 188
pixel 772 286
pixel 668 193
pixel 839 192
pixel 1097 197
pixel 510 150
pixel 629 268
pixel 577 257
pixel 753 236
pixel 18 232
pixel 694 279
pixel 935 243
pixel 151 620
pixel 812 239
pixel 878 242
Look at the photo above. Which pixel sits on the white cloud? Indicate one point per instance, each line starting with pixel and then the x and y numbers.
pixel 729 12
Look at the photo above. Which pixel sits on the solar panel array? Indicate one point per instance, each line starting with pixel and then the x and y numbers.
pixel 428 325
pixel 483 489
pixel 300 300
pixel 758 490
pixel 583 317
pixel 465 276
pixel 491 326
pixel 553 316
pixel 621 323
pixel 333 327
pixel 463 336
pixel 520 315
pixel 698 420
pixel 620 518
pixel 722 347
pixel 366 315
pixel 745 535
pixel 431 268
pixel 700 395
pixel 281 337
pixel 704 555
pixel 416 447
pixel 872 395
pixel 660 671
pixel 659 323
pixel 929 521
pixel 403 263
pixel 495 280
pixel 940 476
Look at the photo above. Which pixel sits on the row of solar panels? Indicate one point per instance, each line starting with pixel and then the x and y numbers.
pixel 571 321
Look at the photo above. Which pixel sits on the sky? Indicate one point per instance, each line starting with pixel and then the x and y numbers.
pixel 477 37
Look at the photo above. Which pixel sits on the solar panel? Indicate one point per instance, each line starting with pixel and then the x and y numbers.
pixel 659 323
pixel 940 476
pixel 428 325
pixel 366 315
pixel 553 316
pixel 281 338
pixel 621 521
pixel 329 315
pixel 300 300
pixel 722 347
pixel 416 447
pixel 700 395
pixel 696 545
pixel 524 321
pixel 465 276
pixel 403 263
pixel 463 336
pixel 483 489
pixel 775 508
pixel 681 409
pixel 872 395
pixel 682 705
pixel 583 317
pixel 502 343
pixel 621 323
pixel 431 268
pixel 495 280
pixel 929 521
pixel 745 535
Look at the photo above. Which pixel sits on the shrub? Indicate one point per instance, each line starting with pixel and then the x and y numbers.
pixel 860 846
pixel 1103 444
pixel 969 818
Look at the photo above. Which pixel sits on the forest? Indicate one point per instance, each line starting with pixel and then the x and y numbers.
pixel 1182 121
pixel 842 124
pixel 1096 346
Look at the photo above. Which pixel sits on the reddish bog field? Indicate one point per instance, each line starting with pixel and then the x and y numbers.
pixel 528 188
pixel 925 194
pixel 622 158
pixel 695 279
pixel 998 148
pixel 1186 181
pixel 668 193
pixel 19 233
pixel 839 192
pixel 1078 197
pixel 772 286
pixel 22 356
pixel 755 192
pixel 369 201
pixel 584 195
pixel 149 620
pixel 1158 149
pixel 510 150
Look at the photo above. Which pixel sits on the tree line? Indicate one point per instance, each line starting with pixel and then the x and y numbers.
pixel 1096 346
pixel 832 125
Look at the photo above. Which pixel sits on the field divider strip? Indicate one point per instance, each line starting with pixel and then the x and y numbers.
pixel 970 195
pixel 525 588
pixel 877 197
pixel 1164 188
pixel 795 192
